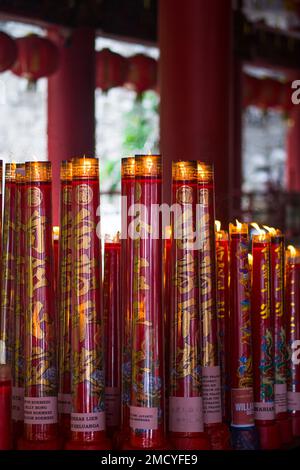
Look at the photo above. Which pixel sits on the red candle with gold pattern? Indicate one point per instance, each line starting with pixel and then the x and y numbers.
pixel 211 373
pixel 127 190
pixel 64 291
pixel 241 359
pixel 20 306
pixel 87 352
pixel 40 397
pixel 147 383
pixel 293 334
pixel 278 315
pixel 167 302
pixel 222 256
pixel 8 266
pixel 263 344
pixel 186 426
pixel 55 232
pixel 112 317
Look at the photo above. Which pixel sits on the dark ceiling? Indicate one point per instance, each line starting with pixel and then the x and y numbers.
pixel 136 19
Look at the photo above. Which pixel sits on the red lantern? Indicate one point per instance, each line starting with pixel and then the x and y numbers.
pixel 251 90
pixel 142 73
pixel 8 51
pixel 111 69
pixel 269 93
pixel 37 57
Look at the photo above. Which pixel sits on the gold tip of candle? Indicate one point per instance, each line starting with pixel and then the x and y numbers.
pixel 128 167
pixel 240 227
pixel 20 173
pixel 184 170
pixel 85 167
pixel 250 259
pixel 10 171
pixel 66 170
pixel 38 171
pixel 148 165
pixel 205 172
pixel 222 235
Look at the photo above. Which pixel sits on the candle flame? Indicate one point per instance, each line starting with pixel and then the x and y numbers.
pixel 218 225
pixel 55 231
pixel 271 230
pixel 250 259
pixel 168 232
pixel 238 224
pixel 257 228
pixel 116 238
pixel 149 163
pixel 292 250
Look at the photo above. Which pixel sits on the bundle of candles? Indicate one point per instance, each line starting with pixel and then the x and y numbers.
pixel 188 342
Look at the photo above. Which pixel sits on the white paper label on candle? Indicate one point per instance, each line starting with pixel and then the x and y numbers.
pixel 2 351
pixel 293 401
pixel 40 410
pixel 211 391
pixel 264 411
pixel 112 403
pixel 143 418
pixel 280 398
pixel 242 408
pixel 185 414
pixel 17 410
pixel 88 422
pixel 64 403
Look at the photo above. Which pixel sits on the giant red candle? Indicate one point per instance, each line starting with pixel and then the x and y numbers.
pixel 278 315
pixel 55 234
pixel 112 310
pixel 147 382
pixel 40 394
pixel 87 352
pixel 8 266
pixel 127 190
pixel 222 257
pixel 263 344
pixel 293 334
pixel 167 301
pixel 241 361
pixel 211 373
pixel 18 324
pixel 64 291
pixel 186 425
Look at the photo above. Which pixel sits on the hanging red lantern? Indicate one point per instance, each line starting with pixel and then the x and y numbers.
pixel 269 93
pixel 111 69
pixel 251 90
pixel 285 97
pixel 8 51
pixel 37 57
pixel 142 73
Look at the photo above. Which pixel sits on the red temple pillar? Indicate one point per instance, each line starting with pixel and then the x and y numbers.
pixel 195 72
pixel 71 102
pixel 293 151
pixel 235 177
